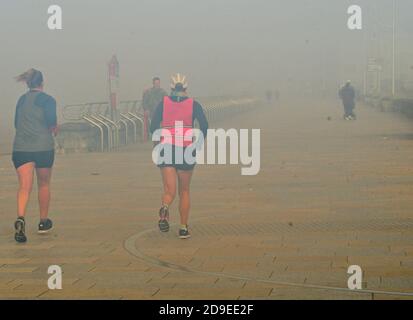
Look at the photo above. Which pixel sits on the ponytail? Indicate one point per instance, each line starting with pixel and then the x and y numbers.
pixel 33 78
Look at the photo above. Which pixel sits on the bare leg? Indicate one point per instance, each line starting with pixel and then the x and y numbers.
pixel 43 182
pixel 169 185
pixel 184 181
pixel 25 175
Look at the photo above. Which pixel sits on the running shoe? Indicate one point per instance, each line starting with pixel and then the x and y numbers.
pixel 20 233
pixel 184 233
pixel 45 226
pixel 163 219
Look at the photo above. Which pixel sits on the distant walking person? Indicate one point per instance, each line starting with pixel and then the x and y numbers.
pixel 268 97
pixel 174 109
pixel 348 96
pixel 33 149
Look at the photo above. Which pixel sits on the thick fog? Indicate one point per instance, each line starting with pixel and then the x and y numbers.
pixel 223 46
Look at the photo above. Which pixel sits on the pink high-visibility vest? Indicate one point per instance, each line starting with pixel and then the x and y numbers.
pixel 177 126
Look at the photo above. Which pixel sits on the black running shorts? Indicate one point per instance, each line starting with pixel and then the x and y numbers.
pixel 42 159
pixel 177 162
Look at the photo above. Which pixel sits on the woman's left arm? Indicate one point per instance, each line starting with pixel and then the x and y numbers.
pixel 199 115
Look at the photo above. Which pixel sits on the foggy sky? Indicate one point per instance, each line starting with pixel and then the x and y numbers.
pixel 223 46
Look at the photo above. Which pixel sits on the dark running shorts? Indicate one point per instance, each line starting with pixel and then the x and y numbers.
pixel 42 159
pixel 177 162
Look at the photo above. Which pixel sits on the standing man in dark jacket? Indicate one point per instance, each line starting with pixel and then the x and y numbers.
pixel 152 97
pixel 348 96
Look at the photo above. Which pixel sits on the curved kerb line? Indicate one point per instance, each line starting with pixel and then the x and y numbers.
pixel 129 245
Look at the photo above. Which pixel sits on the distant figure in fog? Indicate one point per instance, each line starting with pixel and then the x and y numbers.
pixel 268 96
pixel 348 96
pixel 33 149
pixel 152 97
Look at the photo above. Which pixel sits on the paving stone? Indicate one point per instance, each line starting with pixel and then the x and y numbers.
pixel 313 210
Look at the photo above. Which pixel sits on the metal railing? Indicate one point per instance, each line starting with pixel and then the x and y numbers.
pixel 97 114
pixel 400 105
pixel 131 118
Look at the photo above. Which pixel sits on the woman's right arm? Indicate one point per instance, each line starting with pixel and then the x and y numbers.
pixel 16 115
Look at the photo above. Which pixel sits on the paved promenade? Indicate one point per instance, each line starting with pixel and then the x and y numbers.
pixel 330 194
